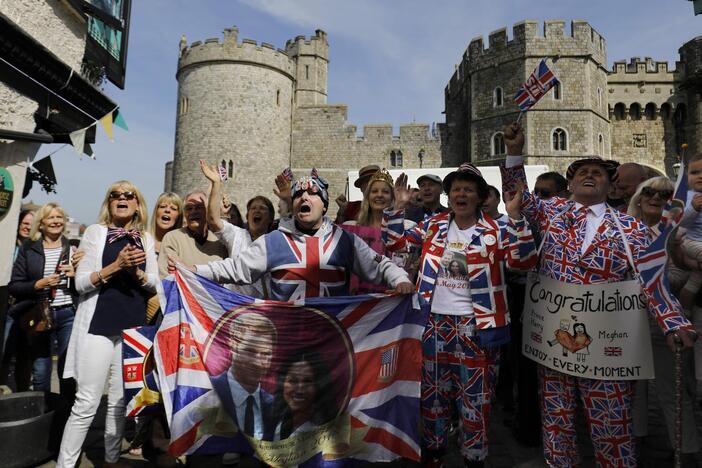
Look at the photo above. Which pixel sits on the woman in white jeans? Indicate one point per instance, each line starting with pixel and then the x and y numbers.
pixel 119 265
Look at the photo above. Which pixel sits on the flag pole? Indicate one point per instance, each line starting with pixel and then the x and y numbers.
pixel 520 116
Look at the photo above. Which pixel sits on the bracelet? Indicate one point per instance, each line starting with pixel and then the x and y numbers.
pixel 102 280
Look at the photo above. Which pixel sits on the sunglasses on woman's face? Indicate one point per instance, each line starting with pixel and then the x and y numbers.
pixel 651 192
pixel 118 195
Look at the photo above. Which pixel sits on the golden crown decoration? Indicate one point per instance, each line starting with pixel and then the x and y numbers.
pixel 383 175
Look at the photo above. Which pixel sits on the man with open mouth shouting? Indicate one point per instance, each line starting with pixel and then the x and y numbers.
pixel 308 256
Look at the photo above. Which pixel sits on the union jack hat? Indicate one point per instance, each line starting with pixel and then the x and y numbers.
pixel 465 171
pixel 608 164
pixel 314 184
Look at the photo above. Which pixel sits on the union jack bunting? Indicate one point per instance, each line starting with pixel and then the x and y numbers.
pixel 353 338
pixel 541 80
pixel 140 381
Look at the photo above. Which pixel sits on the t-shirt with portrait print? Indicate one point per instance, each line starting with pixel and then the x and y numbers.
pixel 452 288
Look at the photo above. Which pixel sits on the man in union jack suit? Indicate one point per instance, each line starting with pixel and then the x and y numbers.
pixel 462 275
pixel 583 244
pixel 308 256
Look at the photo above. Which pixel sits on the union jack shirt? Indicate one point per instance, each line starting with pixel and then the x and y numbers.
pixel 306 266
pixel 493 245
pixel 604 260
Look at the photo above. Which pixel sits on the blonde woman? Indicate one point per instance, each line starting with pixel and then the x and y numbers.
pixel 119 265
pixel 43 270
pixel 167 216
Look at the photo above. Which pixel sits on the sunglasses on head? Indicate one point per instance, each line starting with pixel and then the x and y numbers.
pixel 651 192
pixel 128 195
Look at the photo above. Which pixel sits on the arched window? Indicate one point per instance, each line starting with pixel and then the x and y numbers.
pixel 559 139
pixel 619 111
pixel 396 158
pixel 650 111
pixel 635 111
pixel 231 168
pixel 665 111
pixel 599 98
pixel 183 106
pixel 497 98
pixel 498 144
pixel 557 91
pixel 600 144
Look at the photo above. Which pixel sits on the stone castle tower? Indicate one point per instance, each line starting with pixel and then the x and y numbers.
pixel 256 110
pixel 635 112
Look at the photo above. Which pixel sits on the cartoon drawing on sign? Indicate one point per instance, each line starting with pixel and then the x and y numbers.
pixel 578 343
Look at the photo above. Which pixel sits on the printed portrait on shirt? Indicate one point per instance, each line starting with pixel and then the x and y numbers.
pixel 453 263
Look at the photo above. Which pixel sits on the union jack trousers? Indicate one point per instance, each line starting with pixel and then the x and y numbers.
pixel 607 402
pixel 458 377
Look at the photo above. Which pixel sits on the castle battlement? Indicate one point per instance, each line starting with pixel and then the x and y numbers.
pixel 230 50
pixel 316 45
pixel 528 38
pixel 646 69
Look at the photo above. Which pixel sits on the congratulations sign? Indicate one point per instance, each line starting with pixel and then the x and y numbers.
pixel 598 331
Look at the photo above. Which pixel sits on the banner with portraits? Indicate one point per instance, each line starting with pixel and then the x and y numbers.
pixel 313 383
pixel 598 331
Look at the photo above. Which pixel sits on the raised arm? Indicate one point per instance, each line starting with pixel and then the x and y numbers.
pixel 395 236
pixel 521 250
pixel 214 218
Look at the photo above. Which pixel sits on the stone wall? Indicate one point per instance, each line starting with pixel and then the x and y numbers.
pixel 322 138
pixel 691 55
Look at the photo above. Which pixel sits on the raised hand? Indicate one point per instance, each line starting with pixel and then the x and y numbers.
pixel 342 202
pixel 283 187
pixel 402 192
pixel 513 135
pixel 211 172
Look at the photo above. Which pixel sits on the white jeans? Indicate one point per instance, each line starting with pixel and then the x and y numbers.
pixel 103 361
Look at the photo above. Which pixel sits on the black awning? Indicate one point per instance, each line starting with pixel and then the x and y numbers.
pixel 27 57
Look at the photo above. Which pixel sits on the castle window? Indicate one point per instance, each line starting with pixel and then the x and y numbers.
pixel 307 72
pixel 277 97
pixel 557 93
pixel 665 111
pixel 619 111
pixel 635 111
pixel 559 139
pixel 498 144
pixel 396 158
pixel 599 98
pixel 600 144
pixel 650 111
pixel 183 106
pixel 231 168
pixel 497 98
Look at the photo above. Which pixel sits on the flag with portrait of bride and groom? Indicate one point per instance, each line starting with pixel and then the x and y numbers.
pixel 318 382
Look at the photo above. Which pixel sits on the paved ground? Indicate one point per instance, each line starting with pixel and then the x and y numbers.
pixel 505 451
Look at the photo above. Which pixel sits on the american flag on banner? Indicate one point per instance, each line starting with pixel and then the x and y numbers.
pixel 140 381
pixel 363 399
pixel 652 262
pixel 541 80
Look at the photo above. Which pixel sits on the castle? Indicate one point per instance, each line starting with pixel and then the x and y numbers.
pixel 256 109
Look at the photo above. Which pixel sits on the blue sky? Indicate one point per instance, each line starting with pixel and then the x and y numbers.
pixel 389 61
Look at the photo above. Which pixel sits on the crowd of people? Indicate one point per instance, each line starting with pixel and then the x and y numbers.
pixel 467 260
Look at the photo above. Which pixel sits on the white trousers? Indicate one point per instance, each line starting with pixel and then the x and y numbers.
pixel 103 361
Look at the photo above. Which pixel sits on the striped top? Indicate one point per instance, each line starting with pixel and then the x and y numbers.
pixel 62 297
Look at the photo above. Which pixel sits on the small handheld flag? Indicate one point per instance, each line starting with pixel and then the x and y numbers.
pixel 541 80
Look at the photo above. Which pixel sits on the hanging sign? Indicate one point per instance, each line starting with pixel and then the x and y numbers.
pixel 6 191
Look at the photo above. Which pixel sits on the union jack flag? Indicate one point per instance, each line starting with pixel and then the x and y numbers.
pixel 382 416
pixel 541 80
pixel 140 381
pixel 288 174
pixel 613 351
pixel 223 173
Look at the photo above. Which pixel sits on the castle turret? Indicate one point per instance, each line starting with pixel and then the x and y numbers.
pixel 691 118
pixel 311 57
pixel 234 108
pixel 568 123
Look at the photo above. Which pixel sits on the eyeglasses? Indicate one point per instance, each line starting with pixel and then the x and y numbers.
pixel 543 193
pixel 128 195
pixel 651 192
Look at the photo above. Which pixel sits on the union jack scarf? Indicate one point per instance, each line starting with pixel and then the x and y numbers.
pixel 115 234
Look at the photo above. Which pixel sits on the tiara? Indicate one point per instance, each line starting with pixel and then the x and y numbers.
pixel 383 175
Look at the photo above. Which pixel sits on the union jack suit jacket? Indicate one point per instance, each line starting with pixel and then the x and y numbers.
pixel 605 259
pixel 514 245
pixel 306 266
